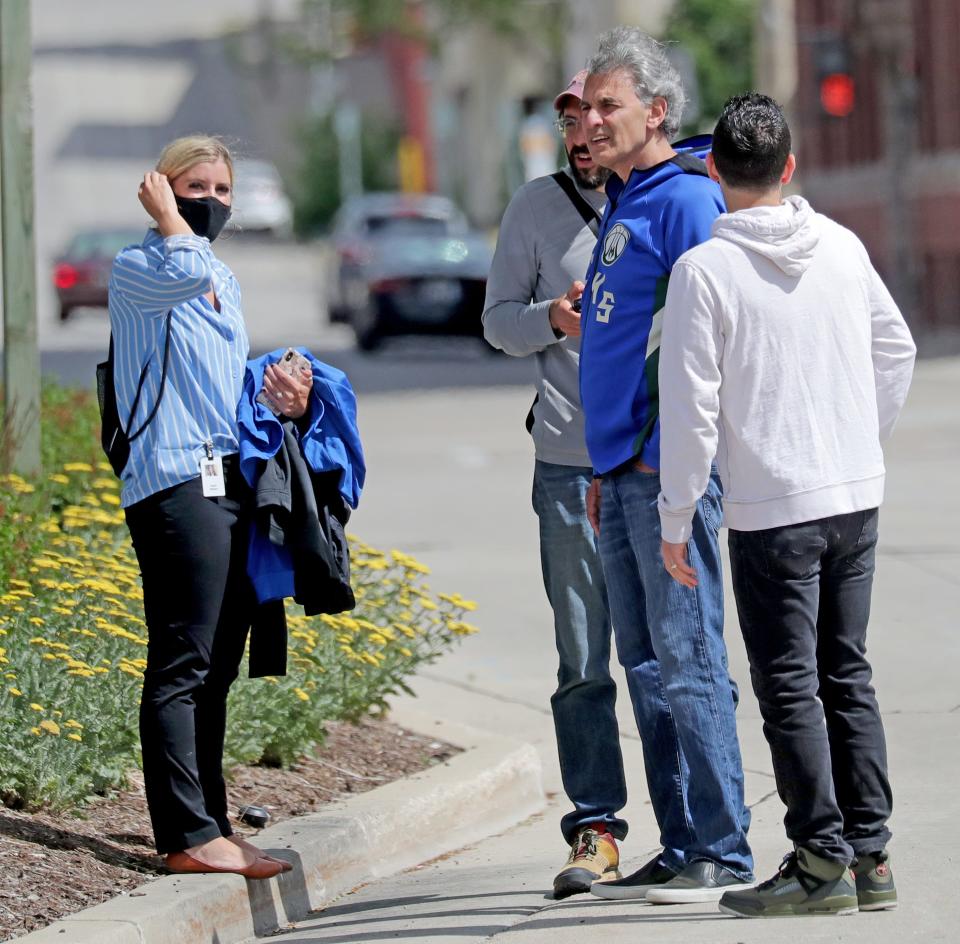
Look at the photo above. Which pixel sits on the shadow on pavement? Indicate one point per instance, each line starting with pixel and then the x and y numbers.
pixel 345 923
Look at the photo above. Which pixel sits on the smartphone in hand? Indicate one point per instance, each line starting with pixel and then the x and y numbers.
pixel 291 362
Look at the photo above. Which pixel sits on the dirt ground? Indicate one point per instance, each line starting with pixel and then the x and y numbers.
pixel 55 864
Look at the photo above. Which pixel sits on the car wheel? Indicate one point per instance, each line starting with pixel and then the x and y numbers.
pixel 366 327
pixel 368 340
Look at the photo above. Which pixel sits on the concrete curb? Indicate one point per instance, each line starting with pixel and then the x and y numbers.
pixel 492 785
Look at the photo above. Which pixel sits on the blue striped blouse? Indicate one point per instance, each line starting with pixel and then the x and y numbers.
pixel 208 352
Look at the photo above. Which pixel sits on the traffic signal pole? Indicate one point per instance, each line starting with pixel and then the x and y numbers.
pixel 21 359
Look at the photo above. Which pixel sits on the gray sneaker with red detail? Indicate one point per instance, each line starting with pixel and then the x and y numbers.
pixel 876 890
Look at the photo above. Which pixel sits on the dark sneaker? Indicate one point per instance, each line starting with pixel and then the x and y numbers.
pixel 702 880
pixel 594 857
pixel 875 888
pixel 637 885
pixel 804 885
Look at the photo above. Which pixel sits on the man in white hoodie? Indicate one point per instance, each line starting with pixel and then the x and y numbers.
pixel 786 361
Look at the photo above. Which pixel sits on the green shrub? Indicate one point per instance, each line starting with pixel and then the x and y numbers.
pixel 73 637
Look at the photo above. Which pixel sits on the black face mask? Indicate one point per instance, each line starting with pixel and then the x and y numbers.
pixel 206 216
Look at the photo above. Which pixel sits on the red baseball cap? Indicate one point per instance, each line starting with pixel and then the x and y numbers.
pixel 575 88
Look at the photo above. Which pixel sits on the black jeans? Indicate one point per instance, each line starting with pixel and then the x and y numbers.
pixel 197 601
pixel 803 597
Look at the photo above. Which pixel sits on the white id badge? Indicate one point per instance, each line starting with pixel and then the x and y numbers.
pixel 211 477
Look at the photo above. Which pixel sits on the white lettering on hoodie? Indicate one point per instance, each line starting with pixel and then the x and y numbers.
pixel 784 358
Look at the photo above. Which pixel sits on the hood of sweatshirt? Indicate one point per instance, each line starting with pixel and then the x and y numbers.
pixel 687 160
pixel 787 234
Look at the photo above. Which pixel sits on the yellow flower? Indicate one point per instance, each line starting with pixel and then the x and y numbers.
pixel 36 731
pixel 23 584
pixel 15 692
pixel 461 629
pixel 35 707
pixel 50 726
pixel 71 723
pixel 301 694
pixel 37 620
pixel 109 498
pixel 77 467
pixel 75 737
pixel 59 478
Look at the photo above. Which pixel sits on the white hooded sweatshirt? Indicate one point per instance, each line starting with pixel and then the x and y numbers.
pixel 783 356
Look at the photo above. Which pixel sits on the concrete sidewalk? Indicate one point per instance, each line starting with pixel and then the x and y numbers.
pixel 490 786
pixel 501 681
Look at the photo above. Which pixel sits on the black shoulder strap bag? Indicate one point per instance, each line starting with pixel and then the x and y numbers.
pixel 115 438
pixel 590 216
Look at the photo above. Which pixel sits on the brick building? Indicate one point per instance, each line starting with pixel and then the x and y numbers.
pixel 890 167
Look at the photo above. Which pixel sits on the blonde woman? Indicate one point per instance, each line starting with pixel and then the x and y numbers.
pixel 179 338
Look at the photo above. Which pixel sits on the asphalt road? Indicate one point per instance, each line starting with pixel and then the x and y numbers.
pixel 284 303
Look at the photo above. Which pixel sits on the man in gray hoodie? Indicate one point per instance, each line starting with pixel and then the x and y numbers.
pixel 784 357
pixel 546 239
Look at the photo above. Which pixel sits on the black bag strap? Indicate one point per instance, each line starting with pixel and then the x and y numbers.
pixel 143 377
pixel 590 216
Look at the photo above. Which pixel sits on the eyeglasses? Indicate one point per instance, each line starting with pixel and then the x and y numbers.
pixel 567 124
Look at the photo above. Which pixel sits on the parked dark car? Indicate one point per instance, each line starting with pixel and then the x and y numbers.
pixel 407 264
pixel 82 271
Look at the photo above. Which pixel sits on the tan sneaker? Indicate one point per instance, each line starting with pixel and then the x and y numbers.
pixel 594 857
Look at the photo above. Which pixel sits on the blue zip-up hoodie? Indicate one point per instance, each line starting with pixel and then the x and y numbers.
pixel 651 220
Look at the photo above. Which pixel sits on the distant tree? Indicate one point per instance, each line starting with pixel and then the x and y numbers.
pixel 347 21
pixel 316 188
pixel 719 35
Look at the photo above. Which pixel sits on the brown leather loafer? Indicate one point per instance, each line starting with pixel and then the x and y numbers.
pixel 182 862
pixel 285 866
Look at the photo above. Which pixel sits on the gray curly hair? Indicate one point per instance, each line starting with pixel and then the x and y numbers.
pixel 628 47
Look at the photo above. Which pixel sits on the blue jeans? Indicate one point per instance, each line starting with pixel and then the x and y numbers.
pixel 588 737
pixel 803 596
pixel 670 641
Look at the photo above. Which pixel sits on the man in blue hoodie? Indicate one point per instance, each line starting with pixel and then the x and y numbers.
pixel 669 637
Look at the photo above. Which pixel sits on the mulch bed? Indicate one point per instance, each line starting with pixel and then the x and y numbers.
pixel 53 865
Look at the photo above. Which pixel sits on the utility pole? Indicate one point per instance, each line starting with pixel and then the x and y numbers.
pixel 775 60
pixel 21 360
pixel 886 30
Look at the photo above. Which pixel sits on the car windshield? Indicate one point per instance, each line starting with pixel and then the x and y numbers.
pixel 407 226
pixel 101 245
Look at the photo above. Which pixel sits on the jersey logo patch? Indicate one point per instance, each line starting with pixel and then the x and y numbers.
pixel 614 244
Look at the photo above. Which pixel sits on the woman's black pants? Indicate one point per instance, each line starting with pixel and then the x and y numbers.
pixel 197 601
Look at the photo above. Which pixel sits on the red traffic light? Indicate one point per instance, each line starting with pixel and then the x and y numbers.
pixel 837 94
